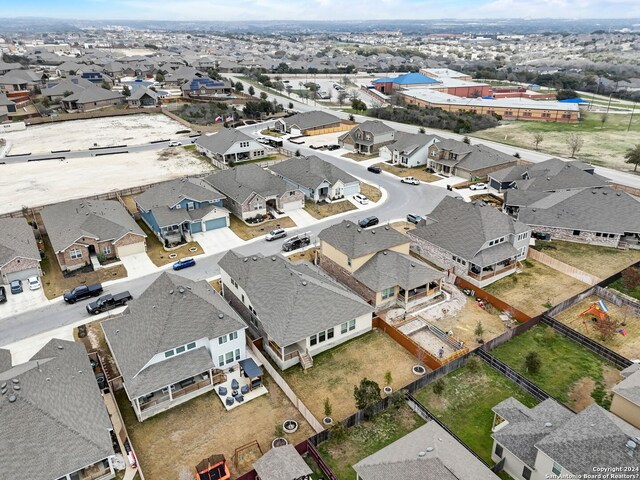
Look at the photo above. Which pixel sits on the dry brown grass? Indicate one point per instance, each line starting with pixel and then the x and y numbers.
pixel 372 193
pixel 216 284
pixel 628 346
pixel 535 288
pixel 246 232
pixel 320 211
pixel 130 203
pixel 403 227
pixel 181 437
pixel 96 342
pixel 417 172
pixel 336 371
pixel 159 256
pixel 307 255
pixel 358 157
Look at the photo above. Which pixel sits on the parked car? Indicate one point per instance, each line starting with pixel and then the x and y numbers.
pixel 108 302
pixel 175 143
pixel 333 147
pixel 374 169
pixel 361 199
pixel 34 283
pixel 413 218
pixel 184 263
pixel 294 243
pixel 410 180
pixel 3 295
pixel 263 140
pixel 368 222
pixel 275 234
pixel 16 286
pixel 82 292
pixel 541 236
pixel 478 186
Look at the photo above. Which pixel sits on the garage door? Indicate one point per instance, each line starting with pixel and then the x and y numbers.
pixel 131 249
pixel 22 275
pixel 215 223
pixel 196 227
pixel 287 207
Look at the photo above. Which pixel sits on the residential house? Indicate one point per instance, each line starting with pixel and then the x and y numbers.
pixel 6 107
pixel 54 422
pixel 597 216
pixel 298 311
pixel 375 263
pixel 180 75
pixel 92 98
pixel 143 97
pixel 408 149
pixel 454 158
pixel 282 463
pixel 625 402
pixel 475 241
pixel 7 67
pixel 253 192
pixel 72 85
pixel 80 229
pixel 427 453
pixel 368 137
pixel 177 209
pixel 19 254
pixel 173 342
pixel 315 122
pixel 206 88
pixel 318 179
pixel 548 176
pixel 230 146
pixel 549 440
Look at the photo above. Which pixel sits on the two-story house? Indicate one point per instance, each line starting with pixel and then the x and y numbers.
pixel 368 137
pixel 296 309
pixel 229 147
pixel 477 242
pixel 375 263
pixel 175 210
pixel 550 441
pixel 408 149
pixel 173 342
pixel 454 158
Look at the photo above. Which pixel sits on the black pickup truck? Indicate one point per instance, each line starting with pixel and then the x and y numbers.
pixel 108 302
pixel 82 292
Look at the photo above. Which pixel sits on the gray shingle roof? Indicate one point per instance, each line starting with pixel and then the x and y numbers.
pixel 223 140
pixel 595 210
pixel 239 183
pixel 389 269
pixel 281 463
pixel 474 157
pixel 16 240
pixel 149 326
pixel 308 120
pixel 463 228
pixel 311 171
pixel 355 242
pixel 59 422
pixel 93 94
pixel 407 143
pixel 5 360
pixel 375 127
pixel 4 101
pixel 292 301
pixel 629 388
pixel 68 221
pixel 141 91
pixel 408 459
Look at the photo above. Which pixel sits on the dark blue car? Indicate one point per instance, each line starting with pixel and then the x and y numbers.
pixel 184 263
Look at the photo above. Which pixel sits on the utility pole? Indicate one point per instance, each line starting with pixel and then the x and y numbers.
pixel 631 116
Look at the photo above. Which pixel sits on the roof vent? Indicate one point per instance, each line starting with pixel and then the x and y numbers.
pixel 60 347
pixel 16 388
pixel 48 379
pixel 385 252
pixel 245 259
pixel 221 315
pixel 117 331
pixel 386 227
pixel 4 385
pixel 548 424
pixel 171 292
pixel 304 283
pixel 373 232
pixel 180 289
pixel 254 258
pixel 421 454
pixel 618 194
pixel 429 449
pixel 273 259
pixel 604 193
pixel 348 224
pixel 631 445
pixel 413 265
pixel 12 398
pixel 15 381
pixel 593 191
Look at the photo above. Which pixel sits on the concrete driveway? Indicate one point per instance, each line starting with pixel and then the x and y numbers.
pixel 138 265
pixel 218 240
pixel 21 302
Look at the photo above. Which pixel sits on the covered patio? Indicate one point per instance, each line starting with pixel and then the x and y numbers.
pixel 421 292
pixel 499 260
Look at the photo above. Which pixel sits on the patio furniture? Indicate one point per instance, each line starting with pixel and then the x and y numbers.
pixel 222 391
pixel 229 401
pixel 234 384
pixel 234 393
pixel 251 371
pixel 240 398
pixel 245 389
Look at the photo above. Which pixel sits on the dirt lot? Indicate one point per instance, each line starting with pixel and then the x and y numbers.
pixel 83 134
pixel 536 288
pixel 176 440
pixel 337 371
pixel 41 183
pixel 372 193
pixel 246 232
pixel 628 345
pixel 417 172
pixel 320 211
pixel 599 261
pixel 358 157
pixel 159 256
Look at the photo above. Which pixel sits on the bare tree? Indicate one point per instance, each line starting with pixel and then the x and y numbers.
pixel 606 327
pixel 353 94
pixel 342 96
pixel 603 118
pixel 537 139
pixel 575 143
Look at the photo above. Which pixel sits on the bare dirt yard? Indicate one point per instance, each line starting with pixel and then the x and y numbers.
pixel 83 134
pixel 627 345
pixel 41 183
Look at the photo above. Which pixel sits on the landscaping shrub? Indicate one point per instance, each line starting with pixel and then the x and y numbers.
pixel 474 364
pixel 459 122
pixel 549 335
pixel 631 278
pixel 367 394
pixel 533 362
pixel 438 386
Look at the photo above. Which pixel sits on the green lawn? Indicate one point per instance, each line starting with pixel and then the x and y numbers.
pixel 569 372
pixel 466 402
pixel 617 285
pixel 367 438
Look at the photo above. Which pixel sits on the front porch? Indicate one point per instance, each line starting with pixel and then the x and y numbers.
pixel 175 235
pixel 362 148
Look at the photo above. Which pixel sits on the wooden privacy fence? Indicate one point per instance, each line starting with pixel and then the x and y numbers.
pixel 88 115
pixel 495 301
pixel 563 267
pixel 509 334
pixel 299 404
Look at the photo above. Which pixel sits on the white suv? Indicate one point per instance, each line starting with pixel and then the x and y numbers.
pixel 175 143
pixel 361 199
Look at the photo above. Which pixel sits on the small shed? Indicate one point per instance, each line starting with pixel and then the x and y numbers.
pixel 282 463
pixel 213 468
pixel 252 371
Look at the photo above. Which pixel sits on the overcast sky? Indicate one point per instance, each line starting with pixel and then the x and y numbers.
pixel 319 9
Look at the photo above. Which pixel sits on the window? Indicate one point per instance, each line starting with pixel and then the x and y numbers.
pixel 352 325
pixel 191 346
pixel 222 339
pixel 237 354
pixel 388 292
pixel 106 249
pixel 190 206
pixel 313 340
pixel 228 358
pixel 343 328
pixel 75 253
pixel 233 336
pixel 557 469
pixel 330 333
pixel 322 336
pixel 576 232
pixel 498 450
pixel 169 353
pixel 220 360
pixel 178 206
pixel 526 473
pixel 598 234
pixel 180 349
pixel 349 261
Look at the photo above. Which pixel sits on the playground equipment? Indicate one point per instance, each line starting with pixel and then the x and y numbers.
pixel 598 310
